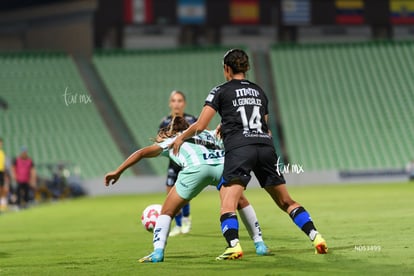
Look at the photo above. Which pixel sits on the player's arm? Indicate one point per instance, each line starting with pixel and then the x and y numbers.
pixel 201 124
pixel 218 131
pixel 147 152
pixel 266 117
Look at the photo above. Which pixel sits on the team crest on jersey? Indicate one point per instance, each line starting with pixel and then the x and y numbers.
pixel 214 155
pixel 212 94
pixel 210 98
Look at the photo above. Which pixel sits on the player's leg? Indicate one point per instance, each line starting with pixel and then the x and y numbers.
pixel 186 219
pixel 250 221
pixel 3 201
pixel 236 175
pixel 178 218
pixel 19 194
pixel 229 196
pixel 5 196
pixel 299 215
pixel 26 197
pixel 171 206
pixel 274 184
pixel 189 184
pixel 3 191
pixel 173 170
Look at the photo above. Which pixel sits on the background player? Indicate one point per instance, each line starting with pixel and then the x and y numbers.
pixel 24 174
pixel 243 107
pixel 177 104
pixel 4 185
pixel 199 170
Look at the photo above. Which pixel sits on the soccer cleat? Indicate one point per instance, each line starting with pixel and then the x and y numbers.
pixel 155 257
pixel 186 225
pixel 261 248
pixel 320 245
pixel 231 253
pixel 175 231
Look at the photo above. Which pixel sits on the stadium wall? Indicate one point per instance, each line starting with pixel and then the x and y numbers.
pixel 155 184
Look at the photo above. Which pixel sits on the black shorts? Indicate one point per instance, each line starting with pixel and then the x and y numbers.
pixel 173 170
pixel 2 179
pixel 259 158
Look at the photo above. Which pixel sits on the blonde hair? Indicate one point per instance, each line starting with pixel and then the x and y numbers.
pixel 179 93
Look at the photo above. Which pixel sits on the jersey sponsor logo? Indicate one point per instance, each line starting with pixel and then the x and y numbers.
pixel 243 92
pixel 213 155
pixel 247 96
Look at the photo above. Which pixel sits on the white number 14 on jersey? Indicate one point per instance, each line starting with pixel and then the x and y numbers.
pixel 254 123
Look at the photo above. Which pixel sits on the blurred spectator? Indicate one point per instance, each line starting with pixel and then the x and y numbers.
pixel 4 187
pixel 410 170
pixel 24 174
pixel 3 104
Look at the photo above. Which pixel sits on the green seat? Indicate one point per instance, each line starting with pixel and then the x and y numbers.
pixel 346 106
pixel 140 83
pixel 34 84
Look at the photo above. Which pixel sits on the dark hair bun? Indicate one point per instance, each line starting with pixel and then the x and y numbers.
pixel 238 60
pixel 179 124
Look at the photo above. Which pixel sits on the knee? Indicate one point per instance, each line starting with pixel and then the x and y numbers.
pixel 243 202
pixel 285 203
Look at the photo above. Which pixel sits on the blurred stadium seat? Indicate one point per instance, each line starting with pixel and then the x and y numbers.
pixel 140 83
pixel 343 106
pixel 38 116
pixel 346 106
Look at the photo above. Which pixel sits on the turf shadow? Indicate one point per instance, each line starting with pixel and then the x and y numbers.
pixel 5 255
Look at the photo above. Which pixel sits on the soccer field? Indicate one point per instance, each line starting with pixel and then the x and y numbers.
pixel 369 230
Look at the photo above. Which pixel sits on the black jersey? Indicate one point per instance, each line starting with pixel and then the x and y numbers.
pixel 167 120
pixel 242 106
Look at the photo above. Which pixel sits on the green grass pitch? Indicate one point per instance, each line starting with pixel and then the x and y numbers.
pixel 369 230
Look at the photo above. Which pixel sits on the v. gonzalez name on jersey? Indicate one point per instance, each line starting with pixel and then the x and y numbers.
pixel 242 106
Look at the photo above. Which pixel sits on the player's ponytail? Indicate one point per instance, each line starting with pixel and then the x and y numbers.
pixel 237 60
pixel 177 125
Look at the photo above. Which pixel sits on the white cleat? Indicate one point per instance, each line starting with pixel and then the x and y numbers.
pixel 175 231
pixel 186 225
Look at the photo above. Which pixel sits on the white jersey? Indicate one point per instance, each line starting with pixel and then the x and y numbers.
pixel 201 149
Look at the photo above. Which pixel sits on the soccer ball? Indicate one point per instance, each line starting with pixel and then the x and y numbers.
pixel 149 216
